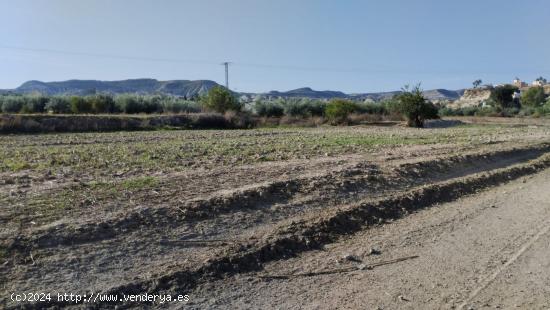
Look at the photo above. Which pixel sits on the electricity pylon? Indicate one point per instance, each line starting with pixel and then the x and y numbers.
pixel 226 64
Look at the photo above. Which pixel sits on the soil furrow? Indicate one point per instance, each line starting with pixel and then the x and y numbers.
pixel 314 230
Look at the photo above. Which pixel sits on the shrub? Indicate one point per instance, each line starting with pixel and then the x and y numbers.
pixel 470 111
pixel 151 104
pixel 220 99
pixel 314 107
pixel 445 111
pixel 80 105
pixel 58 105
pixel 294 107
pixel 502 96
pixel 102 103
pixel 238 120
pixel 466 111
pixel 533 97
pixel 12 104
pixel 128 104
pixel 412 105
pixel 34 104
pixel 338 110
pixel 509 112
pixel 487 111
pixel 268 109
pixel 545 109
pixel 372 108
pixel 304 107
pixel 528 111
pixel 174 105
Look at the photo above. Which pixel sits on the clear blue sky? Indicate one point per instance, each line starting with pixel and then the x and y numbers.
pixel 352 46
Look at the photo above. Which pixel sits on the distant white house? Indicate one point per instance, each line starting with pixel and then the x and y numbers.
pixel 540 82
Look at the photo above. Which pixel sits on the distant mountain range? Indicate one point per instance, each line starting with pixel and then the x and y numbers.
pixel 139 86
pixel 189 89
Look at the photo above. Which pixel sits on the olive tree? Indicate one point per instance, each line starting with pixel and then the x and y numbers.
pixel 412 105
pixel 220 99
pixel 338 110
pixel 503 96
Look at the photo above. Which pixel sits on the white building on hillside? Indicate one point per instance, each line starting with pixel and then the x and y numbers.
pixel 519 83
pixel 540 82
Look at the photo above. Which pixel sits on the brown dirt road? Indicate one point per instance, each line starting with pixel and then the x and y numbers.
pixel 487 251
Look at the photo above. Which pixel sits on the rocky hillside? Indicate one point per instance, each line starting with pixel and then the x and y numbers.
pixel 472 98
pixel 433 95
pixel 142 86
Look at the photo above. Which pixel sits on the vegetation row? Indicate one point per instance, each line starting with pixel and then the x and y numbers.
pixel 409 105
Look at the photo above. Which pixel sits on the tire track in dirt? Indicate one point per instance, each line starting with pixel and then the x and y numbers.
pixel 488 280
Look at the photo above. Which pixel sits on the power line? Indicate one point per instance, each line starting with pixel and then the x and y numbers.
pixel 114 56
pixel 239 64
pixel 305 68
pixel 192 61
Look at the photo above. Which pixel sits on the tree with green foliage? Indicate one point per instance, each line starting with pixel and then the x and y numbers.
pixel 477 83
pixel 12 104
pixel 293 107
pixel 372 108
pixel 314 107
pixel 338 110
pixel 541 80
pixel 503 96
pixel 34 104
pixel 533 97
pixel 180 105
pixel 102 103
pixel 220 99
pixel 152 104
pixel 412 105
pixel 268 109
pixel 129 104
pixel 80 105
pixel 58 105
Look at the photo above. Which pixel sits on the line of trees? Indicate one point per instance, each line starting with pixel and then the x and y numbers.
pixel 218 99
pixel 97 104
pixel 410 105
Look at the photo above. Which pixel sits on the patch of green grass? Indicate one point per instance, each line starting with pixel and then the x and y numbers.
pixel 104 155
pixel 374 141
pixel 15 164
pixel 52 205
pixel 139 183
